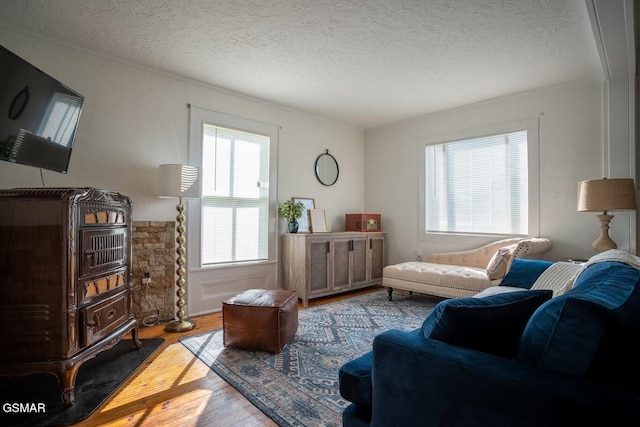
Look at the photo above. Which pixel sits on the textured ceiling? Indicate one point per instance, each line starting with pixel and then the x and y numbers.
pixel 362 62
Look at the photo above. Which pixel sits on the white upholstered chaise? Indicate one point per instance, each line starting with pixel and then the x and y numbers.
pixel 460 274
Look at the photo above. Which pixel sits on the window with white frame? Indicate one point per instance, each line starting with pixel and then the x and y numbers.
pixel 237 205
pixel 484 185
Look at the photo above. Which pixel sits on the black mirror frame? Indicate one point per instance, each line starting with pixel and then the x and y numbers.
pixel 328 184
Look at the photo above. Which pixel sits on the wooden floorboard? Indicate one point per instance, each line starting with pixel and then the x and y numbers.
pixel 174 388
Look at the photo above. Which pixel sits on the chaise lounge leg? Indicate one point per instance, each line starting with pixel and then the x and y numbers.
pixel 390 291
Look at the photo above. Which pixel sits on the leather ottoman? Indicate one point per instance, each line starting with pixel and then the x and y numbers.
pixel 260 319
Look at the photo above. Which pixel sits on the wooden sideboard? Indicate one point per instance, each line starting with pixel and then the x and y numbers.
pixel 65 279
pixel 320 264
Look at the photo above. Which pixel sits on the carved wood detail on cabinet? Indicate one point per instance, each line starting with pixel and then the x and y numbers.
pixel 320 264
pixel 65 279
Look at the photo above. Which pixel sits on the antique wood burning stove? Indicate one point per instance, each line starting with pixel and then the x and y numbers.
pixel 65 277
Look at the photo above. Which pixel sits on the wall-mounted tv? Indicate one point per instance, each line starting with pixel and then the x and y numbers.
pixel 38 115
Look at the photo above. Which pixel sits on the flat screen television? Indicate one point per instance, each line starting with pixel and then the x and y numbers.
pixel 38 115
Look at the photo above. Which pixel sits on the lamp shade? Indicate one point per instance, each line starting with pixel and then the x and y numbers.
pixel 175 180
pixel 601 195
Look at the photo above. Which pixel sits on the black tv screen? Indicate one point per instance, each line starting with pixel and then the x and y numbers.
pixel 38 115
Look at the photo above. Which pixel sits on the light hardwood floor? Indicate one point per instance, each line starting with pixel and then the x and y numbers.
pixel 174 388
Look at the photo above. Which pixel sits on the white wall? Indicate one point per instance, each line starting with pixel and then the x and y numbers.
pixel 571 150
pixel 135 119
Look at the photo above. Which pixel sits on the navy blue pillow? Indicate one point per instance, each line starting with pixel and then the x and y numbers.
pixel 524 272
pixel 491 324
pixel 564 335
pixel 596 273
pixel 588 332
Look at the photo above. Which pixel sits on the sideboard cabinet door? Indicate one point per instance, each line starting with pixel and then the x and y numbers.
pixel 317 265
pixel 377 257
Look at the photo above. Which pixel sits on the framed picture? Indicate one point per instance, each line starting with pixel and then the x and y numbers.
pixel 318 220
pixel 303 223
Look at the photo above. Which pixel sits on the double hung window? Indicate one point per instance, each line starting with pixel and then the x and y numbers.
pixel 485 185
pixel 237 206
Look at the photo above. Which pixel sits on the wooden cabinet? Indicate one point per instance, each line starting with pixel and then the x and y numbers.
pixel 320 264
pixel 65 279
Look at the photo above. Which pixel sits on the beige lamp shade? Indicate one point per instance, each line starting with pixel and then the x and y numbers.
pixel 602 195
pixel 176 180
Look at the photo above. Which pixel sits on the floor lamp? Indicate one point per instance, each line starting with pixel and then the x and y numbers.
pixel 181 181
pixel 604 195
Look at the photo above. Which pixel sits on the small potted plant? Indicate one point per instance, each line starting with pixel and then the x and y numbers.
pixel 291 211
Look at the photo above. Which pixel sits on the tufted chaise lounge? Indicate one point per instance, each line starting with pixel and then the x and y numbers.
pixel 460 274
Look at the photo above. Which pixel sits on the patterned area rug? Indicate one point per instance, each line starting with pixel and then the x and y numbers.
pixel 299 386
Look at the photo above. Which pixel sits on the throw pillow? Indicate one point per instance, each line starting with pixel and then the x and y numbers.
pixel 522 249
pixel 497 266
pixel 593 274
pixel 492 324
pixel 564 335
pixel 524 272
pixel 589 331
pixel 557 277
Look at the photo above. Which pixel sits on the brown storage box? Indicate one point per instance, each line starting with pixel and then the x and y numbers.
pixel 363 222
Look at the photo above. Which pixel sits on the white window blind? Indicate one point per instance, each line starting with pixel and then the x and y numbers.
pixel 235 199
pixel 478 185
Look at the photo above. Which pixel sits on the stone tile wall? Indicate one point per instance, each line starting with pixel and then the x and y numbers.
pixel 154 252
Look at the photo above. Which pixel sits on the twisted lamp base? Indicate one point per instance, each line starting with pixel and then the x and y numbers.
pixel 181 323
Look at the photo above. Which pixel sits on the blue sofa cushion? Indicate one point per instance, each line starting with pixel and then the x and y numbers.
pixel 356 416
pixel 589 331
pixel 491 324
pixel 608 271
pixel 524 272
pixel 355 380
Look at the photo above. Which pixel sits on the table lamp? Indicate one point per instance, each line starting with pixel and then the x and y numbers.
pixel 605 195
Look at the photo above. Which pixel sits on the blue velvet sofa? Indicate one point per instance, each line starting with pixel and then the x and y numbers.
pixel 520 358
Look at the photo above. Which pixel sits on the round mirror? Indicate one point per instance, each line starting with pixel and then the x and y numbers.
pixel 327 170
